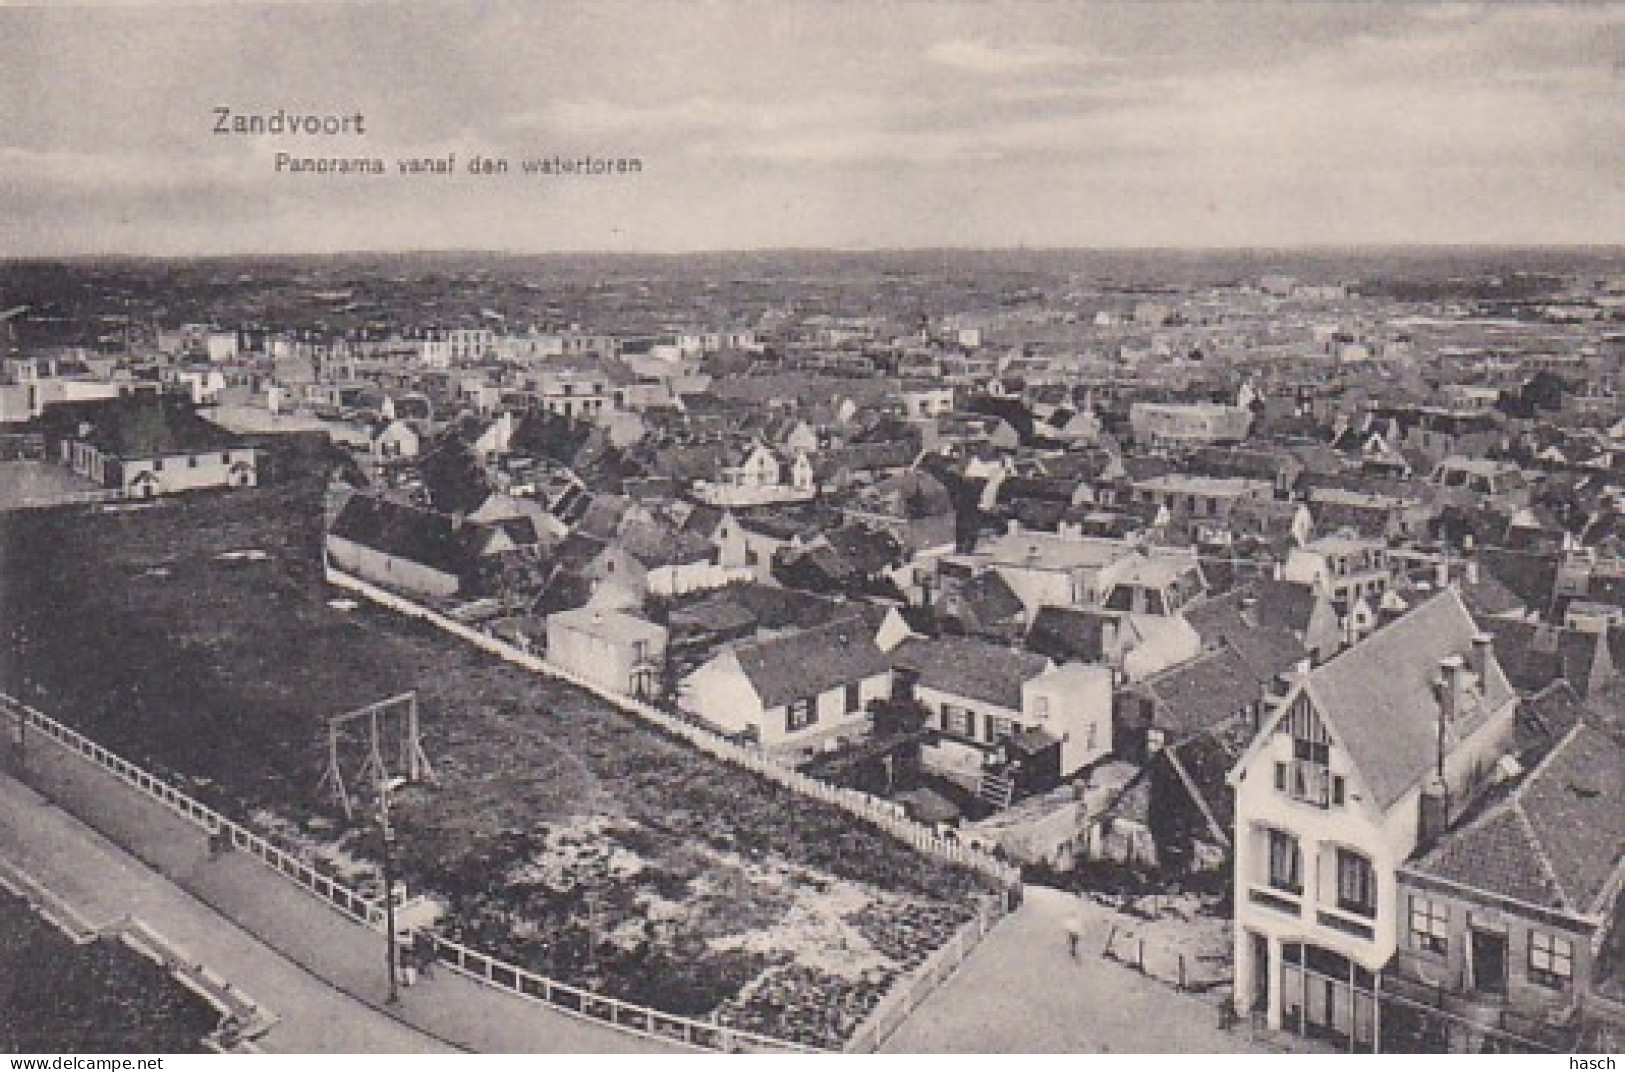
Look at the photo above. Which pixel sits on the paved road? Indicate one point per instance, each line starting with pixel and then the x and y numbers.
pixel 323 974
pixel 104 883
pixel 1020 992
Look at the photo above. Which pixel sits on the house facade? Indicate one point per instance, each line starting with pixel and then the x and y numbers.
pixel 1331 798
pixel 1507 919
pixel 794 693
pixel 620 653
pixel 145 447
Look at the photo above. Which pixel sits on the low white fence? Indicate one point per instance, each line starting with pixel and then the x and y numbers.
pixel 908 993
pixel 622 1015
pixel 884 814
pixel 571 1000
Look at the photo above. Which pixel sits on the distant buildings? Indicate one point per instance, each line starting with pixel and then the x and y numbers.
pixel 1187 424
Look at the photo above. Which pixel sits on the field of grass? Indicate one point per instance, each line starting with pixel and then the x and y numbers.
pixel 98 998
pixel 33 481
pixel 563 834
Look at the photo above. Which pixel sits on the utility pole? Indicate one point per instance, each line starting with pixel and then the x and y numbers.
pixel 391 955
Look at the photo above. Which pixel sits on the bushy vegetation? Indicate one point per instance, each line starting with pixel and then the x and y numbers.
pixel 224 672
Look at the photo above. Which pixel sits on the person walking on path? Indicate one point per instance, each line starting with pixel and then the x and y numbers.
pixel 1074 933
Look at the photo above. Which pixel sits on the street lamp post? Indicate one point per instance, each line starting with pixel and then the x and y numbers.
pixel 391 954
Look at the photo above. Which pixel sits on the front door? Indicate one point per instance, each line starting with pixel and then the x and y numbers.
pixel 1261 972
pixel 1489 950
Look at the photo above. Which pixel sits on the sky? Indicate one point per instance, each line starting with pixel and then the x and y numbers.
pixel 852 125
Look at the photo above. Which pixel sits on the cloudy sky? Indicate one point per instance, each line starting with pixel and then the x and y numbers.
pixel 853 125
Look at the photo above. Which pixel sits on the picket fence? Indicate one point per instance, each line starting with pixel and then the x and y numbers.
pixel 881 813
pixel 907 994
pixel 570 1000
pixel 894 1007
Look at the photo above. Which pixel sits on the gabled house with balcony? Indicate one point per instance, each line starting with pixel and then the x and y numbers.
pixel 1004 723
pixel 1350 764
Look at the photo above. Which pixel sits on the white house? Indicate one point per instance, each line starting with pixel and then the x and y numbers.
pixel 792 692
pixel 393 440
pixel 1350 769
pixel 759 477
pixel 146 447
pixel 621 653
pixel 1006 721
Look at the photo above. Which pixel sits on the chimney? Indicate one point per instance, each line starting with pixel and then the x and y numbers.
pixel 1479 659
pixel 1013 528
pixel 1450 668
pixel 1433 813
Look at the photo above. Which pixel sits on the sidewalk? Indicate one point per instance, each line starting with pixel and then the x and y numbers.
pixel 1020 992
pixel 323 974
pixel 104 884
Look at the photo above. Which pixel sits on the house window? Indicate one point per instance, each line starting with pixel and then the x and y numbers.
pixel 1286 863
pixel 854 697
pixel 640 651
pixel 225 459
pixel 1041 707
pixel 959 721
pixel 802 713
pixel 1356 884
pixel 1430 926
pixel 999 729
pixel 1551 960
pixel 157 465
pixel 1317 752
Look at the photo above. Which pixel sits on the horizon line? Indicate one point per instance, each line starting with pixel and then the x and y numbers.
pixel 1308 247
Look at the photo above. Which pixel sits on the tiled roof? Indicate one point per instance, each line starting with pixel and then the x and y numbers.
pixel 1531 577
pixel 149 428
pixel 807 663
pixel 1203 762
pixel 1379 697
pixel 1490 597
pixel 1535 655
pixel 603 516
pixel 1544 719
pixel 410 533
pixel 974 669
pixel 1284 604
pixel 988 598
pixel 1557 841
pixel 1269 651
pixel 655 545
pixel 786 608
pixel 1066 634
pixel 1208 690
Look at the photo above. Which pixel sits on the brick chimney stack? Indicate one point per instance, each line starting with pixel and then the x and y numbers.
pixel 1479 658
